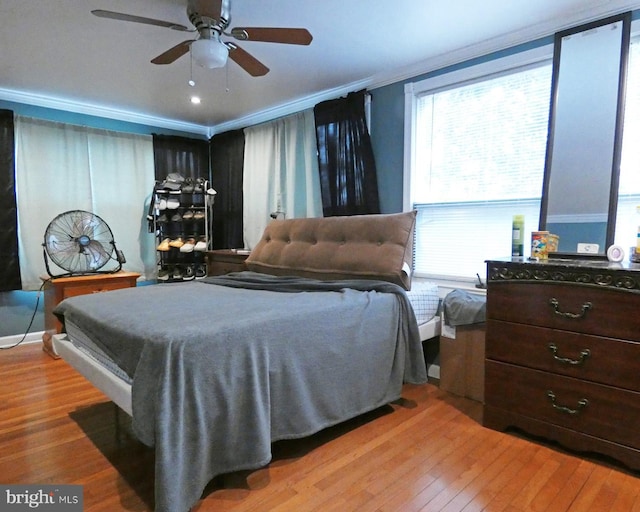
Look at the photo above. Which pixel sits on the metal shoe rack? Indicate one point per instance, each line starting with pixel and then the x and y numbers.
pixel 182 214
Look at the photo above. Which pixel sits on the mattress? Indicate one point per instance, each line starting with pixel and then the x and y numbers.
pixel 83 343
pixel 96 367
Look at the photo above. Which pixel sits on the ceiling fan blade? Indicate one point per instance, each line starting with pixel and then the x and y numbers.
pixel 273 35
pixel 208 8
pixel 246 61
pixel 173 54
pixel 139 19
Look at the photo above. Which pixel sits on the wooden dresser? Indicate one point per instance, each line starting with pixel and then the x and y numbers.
pixel 224 261
pixel 60 288
pixel 563 353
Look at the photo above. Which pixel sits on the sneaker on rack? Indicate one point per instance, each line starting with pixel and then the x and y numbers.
pixel 173 203
pixel 176 217
pixel 164 245
pixel 162 219
pixel 199 215
pixel 176 242
pixel 201 271
pixel 162 204
pixel 188 215
pixel 201 245
pixel 188 245
pixel 187 186
pixel 177 274
pixel 189 273
pixel 163 274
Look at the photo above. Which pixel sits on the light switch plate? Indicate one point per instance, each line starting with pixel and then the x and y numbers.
pixel 588 248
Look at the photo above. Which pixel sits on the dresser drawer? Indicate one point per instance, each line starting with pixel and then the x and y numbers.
pixel 605 360
pixel 594 409
pixel 570 307
pixel 96 287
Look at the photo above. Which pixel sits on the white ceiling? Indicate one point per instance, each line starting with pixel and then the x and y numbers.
pixel 56 53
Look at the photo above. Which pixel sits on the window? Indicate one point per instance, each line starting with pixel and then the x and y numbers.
pixel 476 158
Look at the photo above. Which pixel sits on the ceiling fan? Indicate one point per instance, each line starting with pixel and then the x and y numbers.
pixel 211 18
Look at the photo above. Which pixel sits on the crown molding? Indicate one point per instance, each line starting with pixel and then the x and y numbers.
pixel 89 109
pixel 289 108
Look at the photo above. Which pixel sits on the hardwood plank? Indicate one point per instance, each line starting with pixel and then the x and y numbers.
pixel 429 453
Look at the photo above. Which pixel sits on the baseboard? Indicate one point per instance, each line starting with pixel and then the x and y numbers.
pixel 32 337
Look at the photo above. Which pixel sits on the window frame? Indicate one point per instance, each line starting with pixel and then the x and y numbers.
pixel 414 90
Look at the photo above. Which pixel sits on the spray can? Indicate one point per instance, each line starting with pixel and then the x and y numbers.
pixel 517 236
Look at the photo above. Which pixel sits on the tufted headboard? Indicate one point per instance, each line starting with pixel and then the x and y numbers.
pixel 357 247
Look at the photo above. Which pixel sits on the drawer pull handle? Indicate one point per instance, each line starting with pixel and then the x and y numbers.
pixel 582 403
pixel 556 309
pixel 566 360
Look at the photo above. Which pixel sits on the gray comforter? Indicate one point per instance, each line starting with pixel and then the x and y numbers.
pixel 223 367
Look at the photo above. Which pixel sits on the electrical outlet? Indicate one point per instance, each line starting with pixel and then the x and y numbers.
pixel 588 248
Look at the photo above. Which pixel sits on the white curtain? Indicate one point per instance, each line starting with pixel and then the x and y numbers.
pixel 280 173
pixel 61 167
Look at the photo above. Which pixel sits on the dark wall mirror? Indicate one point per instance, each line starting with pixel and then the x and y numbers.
pixel 580 187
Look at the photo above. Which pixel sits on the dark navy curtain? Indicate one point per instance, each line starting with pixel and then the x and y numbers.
pixel 227 162
pixel 348 177
pixel 189 157
pixel 9 262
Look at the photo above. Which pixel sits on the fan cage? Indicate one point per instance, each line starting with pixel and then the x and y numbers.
pixel 81 243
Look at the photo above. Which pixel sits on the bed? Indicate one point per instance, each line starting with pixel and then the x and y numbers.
pixel 320 329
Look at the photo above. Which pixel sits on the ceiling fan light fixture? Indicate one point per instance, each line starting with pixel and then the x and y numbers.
pixel 209 53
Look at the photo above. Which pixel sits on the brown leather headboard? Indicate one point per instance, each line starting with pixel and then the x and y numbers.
pixel 357 247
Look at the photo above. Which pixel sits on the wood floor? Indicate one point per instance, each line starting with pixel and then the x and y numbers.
pixel 428 453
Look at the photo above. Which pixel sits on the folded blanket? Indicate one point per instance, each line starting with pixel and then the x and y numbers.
pixel 464 308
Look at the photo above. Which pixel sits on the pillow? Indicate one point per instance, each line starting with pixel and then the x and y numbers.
pixel 378 247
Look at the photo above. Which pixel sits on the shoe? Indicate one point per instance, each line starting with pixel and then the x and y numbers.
pixel 188 215
pixel 177 274
pixel 200 246
pixel 178 242
pixel 173 203
pixel 163 274
pixel 201 271
pixel 187 186
pixel 176 217
pixel 199 215
pixel 162 204
pixel 198 188
pixel 164 245
pixel 162 219
pixel 188 245
pixel 189 274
